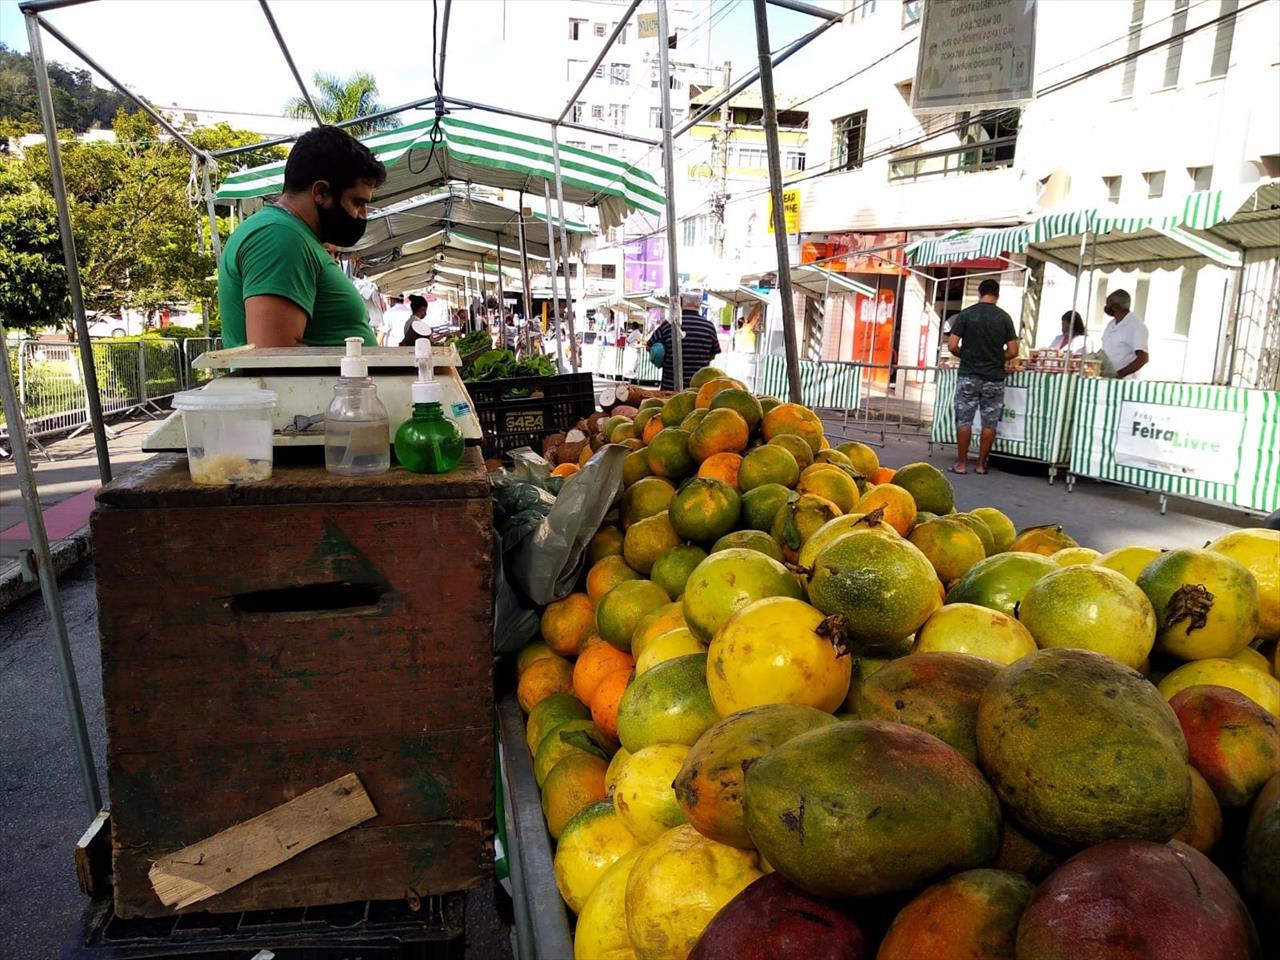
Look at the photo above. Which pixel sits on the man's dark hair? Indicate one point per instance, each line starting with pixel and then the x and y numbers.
pixel 332 155
pixel 989 288
pixel 416 302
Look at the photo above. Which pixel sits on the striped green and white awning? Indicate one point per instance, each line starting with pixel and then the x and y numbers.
pixel 1168 233
pixel 969 245
pixel 450 148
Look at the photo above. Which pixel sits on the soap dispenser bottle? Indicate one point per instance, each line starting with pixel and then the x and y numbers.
pixel 356 430
pixel 427 442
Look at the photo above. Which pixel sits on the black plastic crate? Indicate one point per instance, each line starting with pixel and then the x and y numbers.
pixel 520 411
pixel 368 930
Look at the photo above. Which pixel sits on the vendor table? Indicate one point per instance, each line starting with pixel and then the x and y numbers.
pixel 260 640
pixel 1036 421
pixel 1202 441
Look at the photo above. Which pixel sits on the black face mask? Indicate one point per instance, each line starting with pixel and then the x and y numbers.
pixel 339 227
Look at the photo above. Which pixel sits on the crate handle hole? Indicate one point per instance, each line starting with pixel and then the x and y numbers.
pixel 311 598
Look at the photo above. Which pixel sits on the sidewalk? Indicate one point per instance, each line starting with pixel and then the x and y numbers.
pixel 67 485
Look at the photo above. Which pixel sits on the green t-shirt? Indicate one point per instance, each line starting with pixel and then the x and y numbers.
pixel 273 252
pixel 983 330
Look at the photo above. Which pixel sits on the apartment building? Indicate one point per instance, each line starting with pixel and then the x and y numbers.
pixel 1201 112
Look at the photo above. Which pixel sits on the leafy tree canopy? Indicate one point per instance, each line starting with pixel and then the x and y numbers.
pixel 79 103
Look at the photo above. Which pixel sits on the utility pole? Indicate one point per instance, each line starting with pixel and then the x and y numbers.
pixel 722 164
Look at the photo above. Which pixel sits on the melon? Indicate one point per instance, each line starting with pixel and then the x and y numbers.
pixel 1081 749
pixel 862 808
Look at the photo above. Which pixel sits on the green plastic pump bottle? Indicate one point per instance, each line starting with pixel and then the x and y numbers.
pixel 427 442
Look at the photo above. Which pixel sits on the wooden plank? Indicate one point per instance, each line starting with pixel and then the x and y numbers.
pixel 165 480
pixel 228 858
pixel 93 856
pixel 383 863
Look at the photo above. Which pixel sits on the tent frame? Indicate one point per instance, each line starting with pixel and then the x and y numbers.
pixel 32 11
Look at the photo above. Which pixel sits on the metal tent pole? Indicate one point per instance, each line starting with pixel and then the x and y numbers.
pixel 775 192
pixel 93 398
pixel 288 58
pixel 48 579
pixel 502 308
pixel 215 240
pixel 524 270
pixel 669 179
pixel 551 267
pixel 564 248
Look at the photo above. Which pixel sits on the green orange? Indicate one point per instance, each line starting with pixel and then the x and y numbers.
pixel 742 402
pixel 797 446
pixel 624 606
pixel 768 464
pixel 647 540
pixel 704 510
pixel 796 419
pixel 761 504
pixel 668 454
pixel 672 569
pixel 646 498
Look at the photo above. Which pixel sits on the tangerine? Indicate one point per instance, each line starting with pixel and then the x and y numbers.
pixel 594 664
pixel 605 574
pixel 605 700
pixel 668 454
pixel 768 464
pixel 542 679
pixel 566 623
pixel 899 508
pixel 720 431
pixel 796 419
pixel 722 466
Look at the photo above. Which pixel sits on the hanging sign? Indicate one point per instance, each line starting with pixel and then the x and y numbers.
pixel 1013 420
pixel 1183 441
pixel 975 53
pixel 647 23
pixel 790 211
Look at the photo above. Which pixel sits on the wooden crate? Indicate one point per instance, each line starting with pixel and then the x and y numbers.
pixel 261 640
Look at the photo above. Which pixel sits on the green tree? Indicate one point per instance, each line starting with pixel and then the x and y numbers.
pixel 340 99
pixel 33 283
pixel 78 103
pixel 140 233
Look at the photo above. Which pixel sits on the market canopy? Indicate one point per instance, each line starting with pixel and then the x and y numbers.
pixel 738 294
pixel 1209 226
pixel 444 247
pixel 815 282
pixel 437 150
pixel 403 226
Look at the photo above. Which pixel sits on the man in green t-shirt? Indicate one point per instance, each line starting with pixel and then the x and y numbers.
pixel 983 337
pixel 277 284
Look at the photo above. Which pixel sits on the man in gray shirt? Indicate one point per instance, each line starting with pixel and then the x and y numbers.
pixel 983 337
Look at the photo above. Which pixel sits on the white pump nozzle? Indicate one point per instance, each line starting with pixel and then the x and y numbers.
pixel 354 364
pixel 424 389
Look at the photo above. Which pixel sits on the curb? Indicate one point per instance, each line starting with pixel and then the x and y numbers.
pixel 66 554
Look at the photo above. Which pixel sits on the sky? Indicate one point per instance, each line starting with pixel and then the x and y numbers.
pixel 220 55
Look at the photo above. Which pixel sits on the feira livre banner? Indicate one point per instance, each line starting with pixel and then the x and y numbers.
pixel 1184 442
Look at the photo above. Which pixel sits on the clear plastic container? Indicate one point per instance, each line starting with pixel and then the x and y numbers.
pixel 228 434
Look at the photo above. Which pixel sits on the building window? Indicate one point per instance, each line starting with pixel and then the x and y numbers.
pixel 580 144
pixel 1136 14
pixel 753 158
pixel 619 74
pixel 911 12
pixel 655 117
pixel 597 148
pixel 1201 177
pixel 1173 59
pixel 694 230
pixel 599 74
pixel 599 29
pixel 1113 188
pixel 617 115
pixel 848 140
pixel 579 109
pixel 613 149
pixel 608 271
pixel 1223 36
pixel 1155 184
pixel 574 69
pixel 863 8
pixel 597 111
pixel 676 115
pixel 576 29
pixel 622 36
pixel 795 159
pixel 573 270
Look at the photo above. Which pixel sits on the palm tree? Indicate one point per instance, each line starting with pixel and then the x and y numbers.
pixel 340 99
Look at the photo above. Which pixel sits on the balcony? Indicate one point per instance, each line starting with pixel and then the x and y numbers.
pixel 991 154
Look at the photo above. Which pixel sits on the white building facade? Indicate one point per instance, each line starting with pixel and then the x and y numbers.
pixel 1199 113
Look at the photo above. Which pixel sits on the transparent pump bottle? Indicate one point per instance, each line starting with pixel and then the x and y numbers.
pixel 357 434
pixel 427 442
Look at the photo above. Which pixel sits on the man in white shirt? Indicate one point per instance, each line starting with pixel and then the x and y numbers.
pixel 394 320
pixel 1124 341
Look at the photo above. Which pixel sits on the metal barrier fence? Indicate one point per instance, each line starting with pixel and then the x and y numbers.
pixel 877 399
pixel 132 375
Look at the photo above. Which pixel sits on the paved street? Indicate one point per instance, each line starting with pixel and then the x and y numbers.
pixel 43 813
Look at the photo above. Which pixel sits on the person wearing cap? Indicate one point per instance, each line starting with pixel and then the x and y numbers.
pixel 699 342
pixel 278 286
